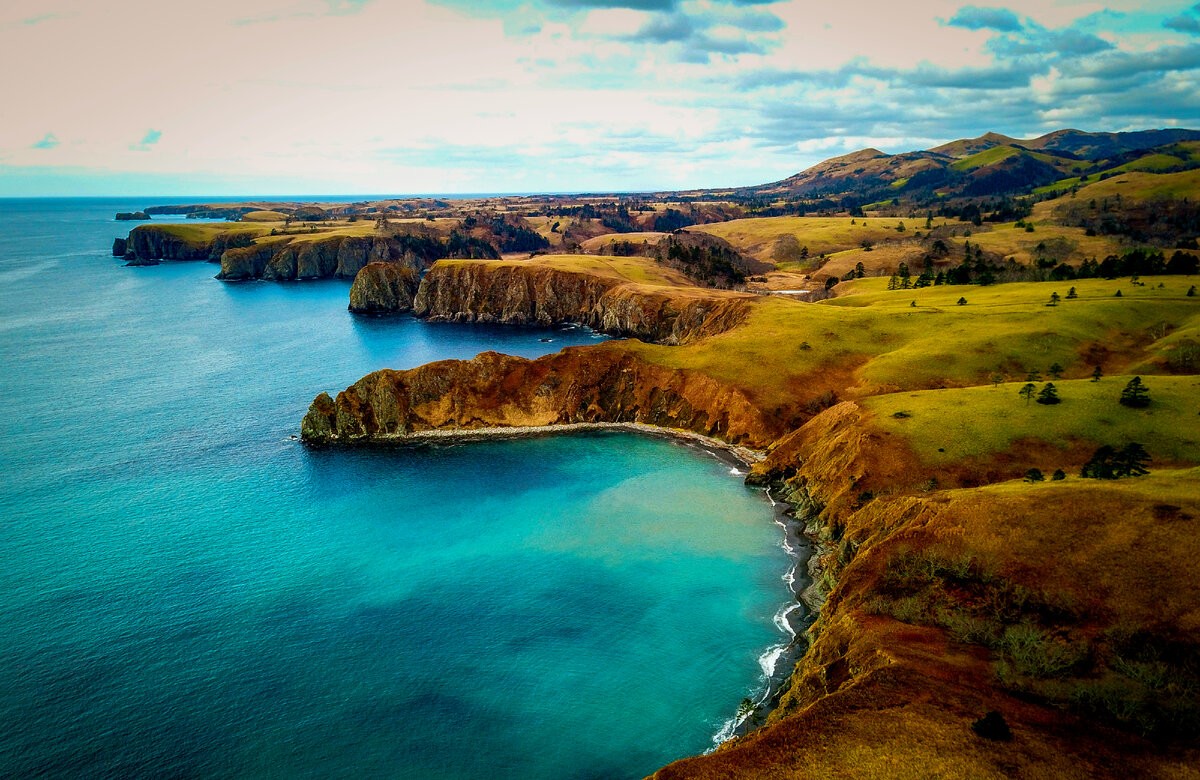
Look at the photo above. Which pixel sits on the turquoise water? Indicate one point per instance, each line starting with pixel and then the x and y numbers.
pixel 185 590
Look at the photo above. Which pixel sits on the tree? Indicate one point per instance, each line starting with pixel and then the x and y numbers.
pixel 1034 475
pixel 962 301
pixel 1049 395
pixel 1054 299
pixel 1058 475
pixel 1100 466
pixel 1130 461
pixel 1135 395
pixel 1071 294
pixel 859 270
pixel 1026 391
pixel 1191 293
pixel 1033 376
pixel 1118 295
pixel 1056 371
pixel 1096 374
pixel 997 378
pixel 1111 463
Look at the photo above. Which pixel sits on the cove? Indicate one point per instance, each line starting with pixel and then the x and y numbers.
pixel 189 591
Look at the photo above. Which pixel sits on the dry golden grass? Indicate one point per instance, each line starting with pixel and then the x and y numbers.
pixel 759 237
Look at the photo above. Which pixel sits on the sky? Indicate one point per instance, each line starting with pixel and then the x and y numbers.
pixel 291 97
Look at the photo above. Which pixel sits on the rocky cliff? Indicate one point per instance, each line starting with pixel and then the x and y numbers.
pixel 148 244
pixel 534 294
pixel 383 288
pixel 318 258
pixel 579 385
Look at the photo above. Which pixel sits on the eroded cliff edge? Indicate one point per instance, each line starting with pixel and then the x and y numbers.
pixel 539 293
pixel 577 385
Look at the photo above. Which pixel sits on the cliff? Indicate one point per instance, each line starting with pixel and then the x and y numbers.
pixel 579 385
pixel 149 244
pixel 540 294
pixel 383 288
pixel 313 258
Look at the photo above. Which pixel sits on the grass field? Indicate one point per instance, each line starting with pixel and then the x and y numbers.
pixel 946 426
pixel 759 237
pixel 639 270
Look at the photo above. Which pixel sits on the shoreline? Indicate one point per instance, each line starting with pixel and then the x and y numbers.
pixel 792 618
pixel 734 454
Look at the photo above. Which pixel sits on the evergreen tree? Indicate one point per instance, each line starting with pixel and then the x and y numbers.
pixel 1058 475
pixel 1130 461
pixel 1096 374
pixel 1100 466
pixel 1034 475
pixel 1049 395
pixel 1054 299
pixel 962 301
pixel 1191 293
pixel 1118 295
pixel 1071 294
pixel 1135 394
pixel 1026 391
pixel 1056 371
pixel 859 270
pixel 1033 376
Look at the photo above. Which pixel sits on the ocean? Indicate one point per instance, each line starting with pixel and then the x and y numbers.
pixel 188 591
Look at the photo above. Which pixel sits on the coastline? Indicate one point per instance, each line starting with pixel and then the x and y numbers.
pixel 799 541
pixel 734 454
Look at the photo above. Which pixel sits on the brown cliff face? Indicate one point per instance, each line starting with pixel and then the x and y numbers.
pixel 580 385
pixel 334 256
pixel 508 294
pixel 540 295
pixel 383 288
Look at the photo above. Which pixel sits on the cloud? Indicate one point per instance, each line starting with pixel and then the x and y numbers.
pixel 636 5
pixel 49 141
pixel 343 7
pixel 696 36
pixel 1185 23
pixel 1049 43
pixel 148 140
pixel 972 17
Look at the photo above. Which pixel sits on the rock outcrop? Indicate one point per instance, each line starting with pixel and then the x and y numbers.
pixel 148 244
pixel 119 248
pixel 532 294
pixel 577 385
pixel 125 216
pixel 383 288
pixel 317 258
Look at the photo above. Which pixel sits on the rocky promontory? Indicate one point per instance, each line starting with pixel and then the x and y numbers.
pixel 383 288
pixel 577 385
pixel 318 257
pixel 533 293
pixel 150 244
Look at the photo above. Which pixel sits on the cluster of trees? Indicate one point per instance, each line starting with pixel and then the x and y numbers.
pixel 990 210
pixel 1110 463
pixel 672 220
pixel 516 235
pixel 463 245
pixel 706 259
pixel 1164 220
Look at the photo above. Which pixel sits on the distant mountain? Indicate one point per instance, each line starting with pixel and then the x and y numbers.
pixel 992 164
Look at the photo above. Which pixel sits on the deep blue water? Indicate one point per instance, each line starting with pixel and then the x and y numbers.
pixel 187 591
